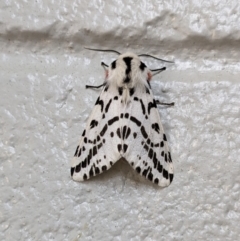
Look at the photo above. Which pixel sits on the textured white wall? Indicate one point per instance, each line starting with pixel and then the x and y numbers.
pixel 44 105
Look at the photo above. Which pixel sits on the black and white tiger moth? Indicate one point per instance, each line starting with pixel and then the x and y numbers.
pixel 125 123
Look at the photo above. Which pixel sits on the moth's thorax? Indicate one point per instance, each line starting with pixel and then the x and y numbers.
pixel 128 71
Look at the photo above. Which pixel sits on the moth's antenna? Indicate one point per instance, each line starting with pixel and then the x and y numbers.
pixel 104 50
pixel 158 70
pixel 148 55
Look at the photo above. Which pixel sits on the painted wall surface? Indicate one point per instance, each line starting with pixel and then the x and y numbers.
pixel 44 105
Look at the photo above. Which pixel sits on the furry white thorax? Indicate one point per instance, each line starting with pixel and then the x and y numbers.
pixel 137 78
pixel 118 74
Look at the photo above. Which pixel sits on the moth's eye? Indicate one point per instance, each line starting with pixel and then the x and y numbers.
pixel 113 64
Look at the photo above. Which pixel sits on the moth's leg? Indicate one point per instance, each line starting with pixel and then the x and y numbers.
pixel 161 103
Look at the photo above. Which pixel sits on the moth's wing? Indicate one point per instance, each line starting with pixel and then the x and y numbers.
pixel 146 147
pixel 97 150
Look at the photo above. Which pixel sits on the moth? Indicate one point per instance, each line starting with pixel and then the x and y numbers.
pixel 125 123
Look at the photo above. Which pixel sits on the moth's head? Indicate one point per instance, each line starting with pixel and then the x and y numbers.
pixel 128 68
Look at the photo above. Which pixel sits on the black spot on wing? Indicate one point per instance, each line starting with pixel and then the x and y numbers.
pixel 119 133
pixel 120 90
pixel 126 115
pixel 84 163
pixel 99 145
pixel 165 157
pixel 108 105
pixel 93 124
pixel 144 133
pixel 114 119
pixel 94 150
pixel 119 146
pixel 155 160
pixel 91 172
pixel 115 98
pixel 97 170
pixel 126 79
pixel 124 131
pixel 134 135
pixel 135 98
pixel 164 137
pixel 151 105
pixel 76 152
pixel 103 130
pixel 135 120
pixel 138 169
pixel 165 173
pixel 128 132
pixel 100 102
pixel 156 127
pixel 78 168
pixel 171 177
pixel 125 148
pixel 143 107
pixel 146 147
pixel 84 132
pixel 113 64
pixel 106 88
pixel 144 173
pixel 142 66
pixel 72 171
pixel 89 156
pixel 150 176
pixel 131 91
pixel 159 167
pixel 150 153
